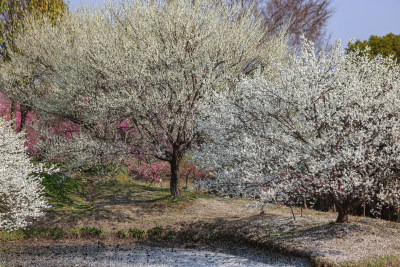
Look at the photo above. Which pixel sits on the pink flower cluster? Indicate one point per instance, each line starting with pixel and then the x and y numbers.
pixel 62 127
pixel 151 170
pixel 158 171
pixel 5 112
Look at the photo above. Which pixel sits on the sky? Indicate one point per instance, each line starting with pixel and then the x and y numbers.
pixel 357 19
pixel 360 19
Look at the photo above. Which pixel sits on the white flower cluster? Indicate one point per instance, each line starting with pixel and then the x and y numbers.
pixel 20 189
pixel 146 62
pixel 328 127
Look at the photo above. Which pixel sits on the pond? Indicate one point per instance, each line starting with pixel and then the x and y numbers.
pixel 148 256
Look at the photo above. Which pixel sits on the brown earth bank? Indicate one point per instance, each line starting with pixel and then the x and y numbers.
pixel 131 214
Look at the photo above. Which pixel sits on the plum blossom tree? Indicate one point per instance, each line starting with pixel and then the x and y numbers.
pixel 148 63
pixel 328 127
pixel 20 189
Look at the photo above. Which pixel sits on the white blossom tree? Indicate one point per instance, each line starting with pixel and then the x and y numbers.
pixel 145 63
pixel 21 196
pixel 328 127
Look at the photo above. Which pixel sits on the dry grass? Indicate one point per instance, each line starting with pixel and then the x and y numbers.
pixel 316 236
pixel 120 204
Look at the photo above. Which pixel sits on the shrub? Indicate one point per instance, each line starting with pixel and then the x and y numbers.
pixel 91 231
pixel 21 194
pixel 122 234
pixel 87 231
pixel 137 232
pixel 156 231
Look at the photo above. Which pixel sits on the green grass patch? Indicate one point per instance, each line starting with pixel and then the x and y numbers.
pixel 12 236
pixel 46 233
pixel 123 234
pixel 156 231
pixel 78 195
pixel 86 232
pixel 137 232
pixel 61 188
pixel 51 233
pixel 67 195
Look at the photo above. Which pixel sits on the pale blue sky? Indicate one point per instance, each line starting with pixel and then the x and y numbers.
pixel 362 18
pixel 353 18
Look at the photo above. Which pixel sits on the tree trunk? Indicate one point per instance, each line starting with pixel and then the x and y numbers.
pixel 175 176
pixel 304 202
pixel 363 205
pixel 13 114
pixel 291 209
pixel 343 211
pixel 24 112
pixel 342 216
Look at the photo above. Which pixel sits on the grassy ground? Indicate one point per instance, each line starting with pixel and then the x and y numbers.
pixel 90 208
pixel 114 202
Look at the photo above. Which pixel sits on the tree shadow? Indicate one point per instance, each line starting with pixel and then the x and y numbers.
pixel 105 202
